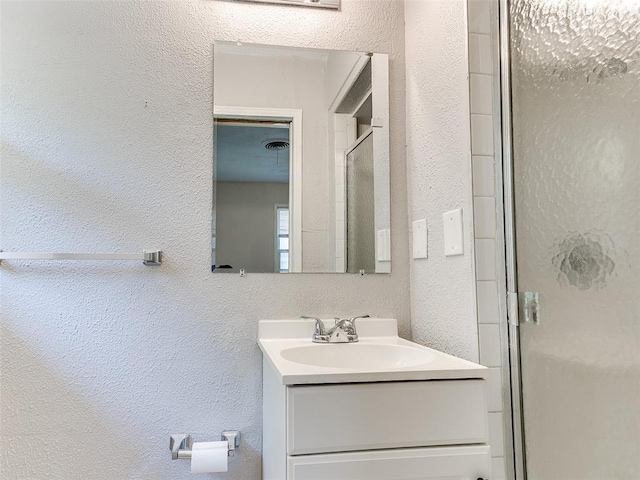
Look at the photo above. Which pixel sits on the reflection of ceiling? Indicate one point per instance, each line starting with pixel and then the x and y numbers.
pixel 242 157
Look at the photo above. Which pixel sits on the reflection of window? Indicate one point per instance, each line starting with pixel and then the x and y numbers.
pixel 282 238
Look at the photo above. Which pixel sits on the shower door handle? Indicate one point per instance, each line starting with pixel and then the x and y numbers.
pixel 525 306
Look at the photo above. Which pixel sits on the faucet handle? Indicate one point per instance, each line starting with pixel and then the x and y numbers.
pixel 353 319
pixel 349 325
pixel 319 327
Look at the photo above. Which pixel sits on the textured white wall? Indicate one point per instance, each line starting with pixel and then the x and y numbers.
pixel 438 171
pixel 106 146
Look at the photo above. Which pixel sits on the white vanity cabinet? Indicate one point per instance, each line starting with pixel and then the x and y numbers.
pixel 383 408
pixel 434 463
pixel 394 430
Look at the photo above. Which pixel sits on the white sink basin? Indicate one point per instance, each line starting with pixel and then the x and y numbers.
pixel 357 356
pixel 379 356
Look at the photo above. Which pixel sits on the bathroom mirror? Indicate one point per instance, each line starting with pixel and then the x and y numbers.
pixel 300 161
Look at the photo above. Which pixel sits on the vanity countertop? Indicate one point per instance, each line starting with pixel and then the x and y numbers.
pixel 379 355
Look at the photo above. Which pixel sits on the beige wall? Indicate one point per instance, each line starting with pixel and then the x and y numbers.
pixel 245 216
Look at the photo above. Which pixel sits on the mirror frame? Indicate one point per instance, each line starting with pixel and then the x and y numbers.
pixel 330 4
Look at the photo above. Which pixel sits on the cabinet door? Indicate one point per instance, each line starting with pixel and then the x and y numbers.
pixel 435 463
pixel 368 416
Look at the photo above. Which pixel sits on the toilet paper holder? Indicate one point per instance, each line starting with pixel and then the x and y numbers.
pixel 180 444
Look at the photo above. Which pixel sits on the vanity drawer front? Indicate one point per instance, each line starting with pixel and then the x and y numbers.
pixel 366 416
pixel 448 463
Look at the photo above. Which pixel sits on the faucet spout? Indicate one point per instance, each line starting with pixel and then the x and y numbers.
pixel 344 331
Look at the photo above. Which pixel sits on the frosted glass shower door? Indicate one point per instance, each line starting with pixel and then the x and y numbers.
pixel 575 67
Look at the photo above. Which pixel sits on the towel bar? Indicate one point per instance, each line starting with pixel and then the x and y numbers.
pixel 148 257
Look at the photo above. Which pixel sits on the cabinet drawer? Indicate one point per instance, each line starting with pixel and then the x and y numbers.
pixel 448 463
pixel 366 416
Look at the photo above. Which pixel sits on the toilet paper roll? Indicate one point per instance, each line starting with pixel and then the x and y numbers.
pixel 209 457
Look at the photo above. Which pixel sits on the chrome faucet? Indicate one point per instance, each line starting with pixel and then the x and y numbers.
pixel 344 331
pixel 318 330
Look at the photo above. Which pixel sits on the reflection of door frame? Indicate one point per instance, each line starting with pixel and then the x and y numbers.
pixel 294 116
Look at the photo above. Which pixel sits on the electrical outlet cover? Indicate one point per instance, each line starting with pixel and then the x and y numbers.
pixel 420 239
pixel 452 226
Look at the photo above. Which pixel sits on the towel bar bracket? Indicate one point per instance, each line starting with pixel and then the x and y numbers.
pixel 153 257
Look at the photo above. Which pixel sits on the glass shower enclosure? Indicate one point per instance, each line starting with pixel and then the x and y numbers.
pixel 361 207
pixel 575 114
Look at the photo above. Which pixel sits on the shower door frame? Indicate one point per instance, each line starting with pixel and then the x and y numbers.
pixel 506 259
pixel 506 242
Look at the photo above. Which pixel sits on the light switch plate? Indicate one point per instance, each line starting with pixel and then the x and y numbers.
pixel 420 239
pixel 452 226
pixel 384 245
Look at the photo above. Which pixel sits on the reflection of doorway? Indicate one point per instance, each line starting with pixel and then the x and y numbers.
pixel 256 169
pixel 252 177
